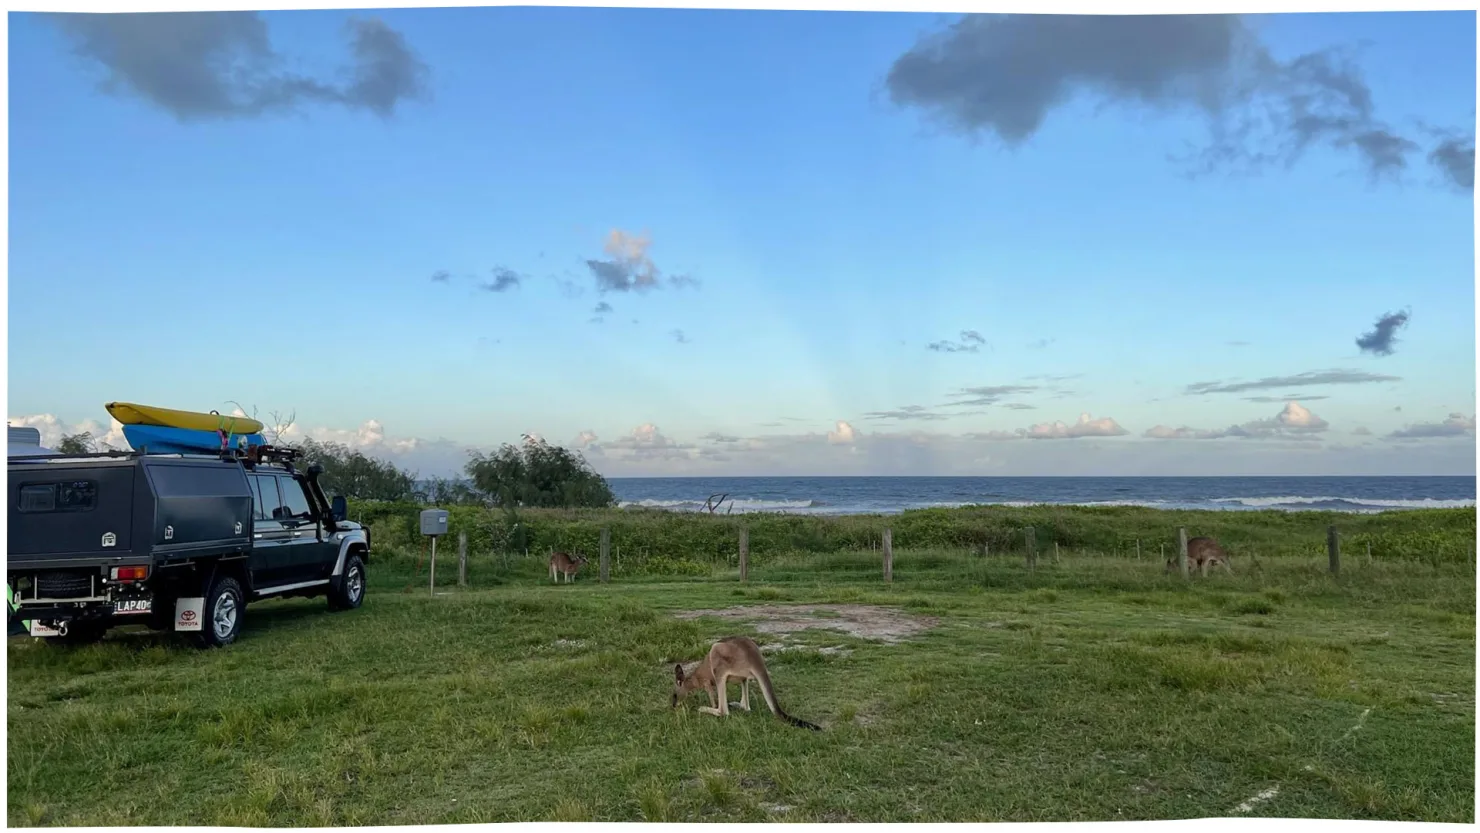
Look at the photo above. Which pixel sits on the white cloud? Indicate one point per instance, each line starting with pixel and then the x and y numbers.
pixel 52 429
pixel 1292 422
pixel 585 439
pixel 1085 427
pixel 842 434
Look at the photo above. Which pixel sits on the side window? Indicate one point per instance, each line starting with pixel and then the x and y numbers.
pixel 265 496
pixel 71 496
pixel 294 499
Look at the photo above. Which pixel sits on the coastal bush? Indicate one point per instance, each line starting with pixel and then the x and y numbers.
pixel 651 540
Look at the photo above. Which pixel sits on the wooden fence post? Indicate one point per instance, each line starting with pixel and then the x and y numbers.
pixel 1182 550
pixel 1030 536
pixel 1138 549
pixel 606 554
pixel 1333 549
pixel 889 555
pixel 462 559
pixel 744 553
pixel 1055 552
pixel 1369 553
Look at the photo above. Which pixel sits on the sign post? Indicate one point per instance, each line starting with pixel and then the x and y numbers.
pixel 433 524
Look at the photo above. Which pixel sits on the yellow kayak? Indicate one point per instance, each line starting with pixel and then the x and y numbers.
pixel 131 414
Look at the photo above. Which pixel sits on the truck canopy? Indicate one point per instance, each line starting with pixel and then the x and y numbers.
pixel 106 509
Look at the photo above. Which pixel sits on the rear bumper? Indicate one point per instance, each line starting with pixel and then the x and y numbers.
pixel 68 612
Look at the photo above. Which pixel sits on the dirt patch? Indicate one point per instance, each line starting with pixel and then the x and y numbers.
pixel 882 624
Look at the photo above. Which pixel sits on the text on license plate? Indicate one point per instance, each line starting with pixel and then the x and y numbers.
pixel 125 606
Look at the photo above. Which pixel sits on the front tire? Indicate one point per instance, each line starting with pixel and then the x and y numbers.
pixel 224 607
pixel 351 590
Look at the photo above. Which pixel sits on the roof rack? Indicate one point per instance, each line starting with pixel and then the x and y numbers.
pixel 113 455
pixel 258 454
pixel 62 455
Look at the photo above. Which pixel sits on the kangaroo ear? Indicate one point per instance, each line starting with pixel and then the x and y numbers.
pixel 678 672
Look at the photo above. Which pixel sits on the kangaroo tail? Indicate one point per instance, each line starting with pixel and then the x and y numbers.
pixel 770 694
pixel 798 722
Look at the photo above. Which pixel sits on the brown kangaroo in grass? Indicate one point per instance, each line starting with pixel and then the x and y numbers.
pixel 735 658
pixel 1201 552
pixel 563 564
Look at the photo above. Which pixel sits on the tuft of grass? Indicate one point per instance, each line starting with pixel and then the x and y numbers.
pixel 1254 606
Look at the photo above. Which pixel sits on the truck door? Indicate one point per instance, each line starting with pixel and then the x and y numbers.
pixel 270 539
pixel 313 557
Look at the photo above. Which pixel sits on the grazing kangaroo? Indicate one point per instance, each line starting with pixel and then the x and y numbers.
pixel 1201 552
pixel 564 564
pixel 734 657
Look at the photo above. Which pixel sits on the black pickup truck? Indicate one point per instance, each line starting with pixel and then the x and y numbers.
pixel 173 541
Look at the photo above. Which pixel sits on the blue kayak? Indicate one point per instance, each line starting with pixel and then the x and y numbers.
pixel 164 440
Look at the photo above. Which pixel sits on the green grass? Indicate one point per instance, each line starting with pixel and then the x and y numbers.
pixel 1097 688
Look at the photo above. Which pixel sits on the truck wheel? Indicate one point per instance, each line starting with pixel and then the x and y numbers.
pixel 351 586
pixel 223 608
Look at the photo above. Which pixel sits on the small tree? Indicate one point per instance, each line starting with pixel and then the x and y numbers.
pixel 537 474
pixel 350 472
pixel 79 443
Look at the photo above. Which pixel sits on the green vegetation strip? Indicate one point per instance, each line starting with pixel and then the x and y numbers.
pixel 1097 687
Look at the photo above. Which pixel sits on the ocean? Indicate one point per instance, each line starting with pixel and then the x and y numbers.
pixel 856 495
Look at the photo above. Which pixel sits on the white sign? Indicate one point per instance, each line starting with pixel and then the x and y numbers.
pixel 189 613
pixel 38 629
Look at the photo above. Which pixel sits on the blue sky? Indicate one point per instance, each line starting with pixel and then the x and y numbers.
pixel 841 196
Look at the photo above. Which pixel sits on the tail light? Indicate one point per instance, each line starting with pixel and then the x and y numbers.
pixel 134 573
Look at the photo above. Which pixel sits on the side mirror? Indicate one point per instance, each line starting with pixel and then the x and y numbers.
pixel 339 508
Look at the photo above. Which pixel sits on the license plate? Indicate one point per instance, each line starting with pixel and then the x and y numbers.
pixel 124 607
pixel 38 629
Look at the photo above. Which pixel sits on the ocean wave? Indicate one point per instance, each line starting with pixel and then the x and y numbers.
pixel 1372 503
pixel 735 505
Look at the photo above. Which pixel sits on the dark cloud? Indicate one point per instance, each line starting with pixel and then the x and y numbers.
pixel 503 280
pixel 1004 74
pixel 1457 425
pixel 716 437
pixel 602 308
pixel 919 412
pixel 386 71
pixel 1383 335
pixel 1269 400
pixel 1019 406
pixel 441 276
pixel 218 65
pixel 628 267
pixel 678 336
pixel 1307 379
pixel 1455 159
pixel 987 395
pixel 971 342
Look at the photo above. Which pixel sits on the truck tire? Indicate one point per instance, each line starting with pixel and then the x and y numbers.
pixel 223 614
pixel 351 590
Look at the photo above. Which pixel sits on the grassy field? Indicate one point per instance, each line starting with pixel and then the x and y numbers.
pixel 1091 688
